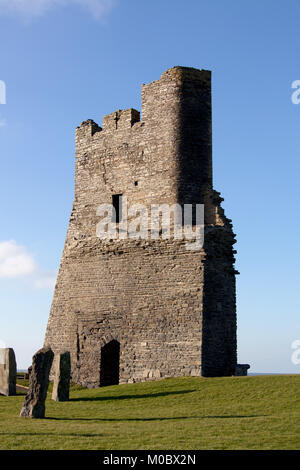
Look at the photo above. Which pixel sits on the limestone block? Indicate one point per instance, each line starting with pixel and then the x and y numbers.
pixel 196 372
pixel 157 374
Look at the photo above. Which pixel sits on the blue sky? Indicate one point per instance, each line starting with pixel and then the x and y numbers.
pixel 66 61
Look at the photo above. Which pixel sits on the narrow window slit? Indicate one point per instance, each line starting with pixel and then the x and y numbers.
pixel 117 204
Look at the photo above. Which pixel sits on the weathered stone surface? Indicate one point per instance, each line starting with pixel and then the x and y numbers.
pixel 62 371
pixel 34 403
pixel 170 312
pixel 241 369
pixel 8 372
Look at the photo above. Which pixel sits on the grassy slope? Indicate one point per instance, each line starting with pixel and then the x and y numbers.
pixel 260 412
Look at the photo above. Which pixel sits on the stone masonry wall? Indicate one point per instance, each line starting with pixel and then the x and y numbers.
pixel 172 310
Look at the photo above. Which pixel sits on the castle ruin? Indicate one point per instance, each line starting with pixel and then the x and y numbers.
pixel 131 310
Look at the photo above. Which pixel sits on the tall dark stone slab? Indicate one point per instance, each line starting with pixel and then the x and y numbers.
pixel 8 372
pixel 62 371
pixel 34 403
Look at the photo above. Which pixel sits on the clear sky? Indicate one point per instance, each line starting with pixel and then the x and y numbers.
pixel 66 61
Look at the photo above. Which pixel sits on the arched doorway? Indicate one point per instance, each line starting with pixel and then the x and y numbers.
pixel 110 364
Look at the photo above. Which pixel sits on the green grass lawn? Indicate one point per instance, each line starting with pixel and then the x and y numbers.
pixel 260 412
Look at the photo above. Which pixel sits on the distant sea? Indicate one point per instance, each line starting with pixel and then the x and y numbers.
pixel 250 373
pixel 275 373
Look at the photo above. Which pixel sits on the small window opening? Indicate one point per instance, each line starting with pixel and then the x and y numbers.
pixel 117 204
pixel 136 183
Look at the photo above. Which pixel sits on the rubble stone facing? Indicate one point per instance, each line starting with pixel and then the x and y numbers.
pixel 173 311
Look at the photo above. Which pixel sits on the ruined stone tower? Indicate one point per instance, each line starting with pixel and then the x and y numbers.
pixel 135 310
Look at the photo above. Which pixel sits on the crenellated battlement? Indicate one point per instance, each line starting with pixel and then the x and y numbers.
pixel 121 119
pixel 154 97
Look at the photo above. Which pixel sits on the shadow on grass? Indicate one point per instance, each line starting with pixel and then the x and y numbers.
pixel 117 420
pixel 89 435
pixel 128 397
pixel 49 434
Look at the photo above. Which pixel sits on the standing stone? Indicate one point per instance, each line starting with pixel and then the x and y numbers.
pixel 8 372
pixel 62 371
pixel 34 403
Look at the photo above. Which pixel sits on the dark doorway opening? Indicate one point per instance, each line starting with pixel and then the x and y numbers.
pixel 110 364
